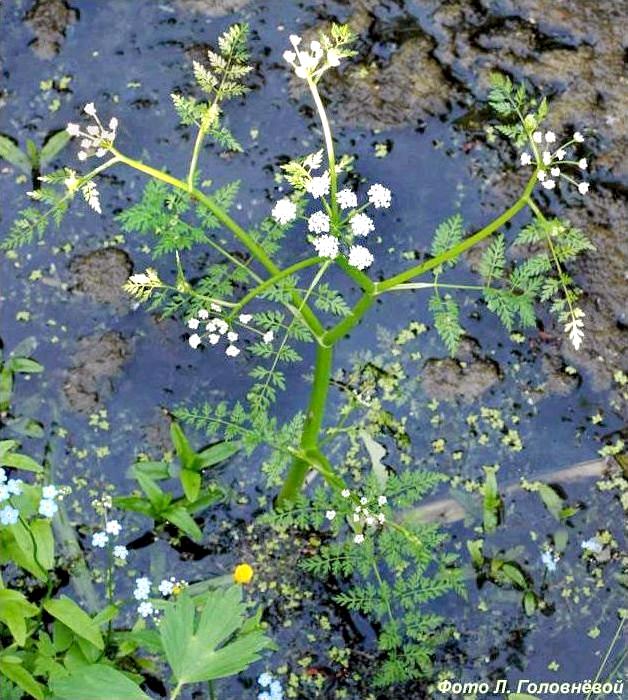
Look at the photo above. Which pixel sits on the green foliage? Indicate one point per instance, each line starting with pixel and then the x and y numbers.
pixel 448 234
pixel 251 430
pixel 223 80
pixel 446 320
pixel 33 159
pixel 216 643
pixel 519 112
pixel 389 577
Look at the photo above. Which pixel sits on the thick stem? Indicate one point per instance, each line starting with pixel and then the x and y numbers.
pixel 313 423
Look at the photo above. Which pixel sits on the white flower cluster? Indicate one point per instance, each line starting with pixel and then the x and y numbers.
pixel 551 163
pixel 356 223
pixel 9 515
pixel 217 329
pixel 365 513
pixel 101 540
pixel 96 139
pixel 142 593
pixel 308 64
pixel 272 689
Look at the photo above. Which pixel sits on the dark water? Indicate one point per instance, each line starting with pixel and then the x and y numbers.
pixel 128 57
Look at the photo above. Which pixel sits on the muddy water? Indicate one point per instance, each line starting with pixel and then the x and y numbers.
pixel 405 107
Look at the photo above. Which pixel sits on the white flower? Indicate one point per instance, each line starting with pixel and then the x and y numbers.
pixel 326 246
pixel 574 328
pixel 9 515
pixel 289 57
pixel 213 338
pixel 113 527
pixel 295 40
pixel 166 587
pixel 547 157
pixel 382 518
pixel 346 199
pixel 583 187
pixel 47 507
pixel 356 517
pixel 537 137
pixel 14 486
pixel 319 186
pixel 145 609
pixel 113 124
pixel 82 155
pixel 379 196
pixel 345 493
pixel 232 336
pixel 592 545
pixel 555 172
pixel 360 257
pixel 318 222
pixel 140 278
pixel 120 552
pixel 549 560
pixel 364 500
pixel 215 307
pixel 382 500
pixel 244 318
pixel 49 491
pixel 561 153
pixel 73 129
pixel 142 588
pixel 582 164
pixel 194 340
pixel 90 109
pixel 359 538
pixel 578 137
pixel 193 323
pixel 220 325
pixel 3 475
pixel 330 514
pixel 550 137
pixel 361 225
pixel 370 520
pixel 232 351
pixel 100 539
pixel 549 184
pixel 525 158
pixel 541 175
pixel 4 493
pixel 203 314
pixel 268 337
pixel 284 211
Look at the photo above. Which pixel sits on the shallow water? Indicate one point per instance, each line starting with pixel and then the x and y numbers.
pixel 104 358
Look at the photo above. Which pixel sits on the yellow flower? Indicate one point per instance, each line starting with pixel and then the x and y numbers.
pixel 243 573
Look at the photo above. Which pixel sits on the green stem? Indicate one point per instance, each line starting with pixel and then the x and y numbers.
pixel 254 248
pixel 176 691
pixel 313 423
pixel 271 281
pixel 460 248
pixel 200 135
pixel 333 335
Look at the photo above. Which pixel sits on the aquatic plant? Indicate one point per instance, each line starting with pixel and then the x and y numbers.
pixel 248 302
